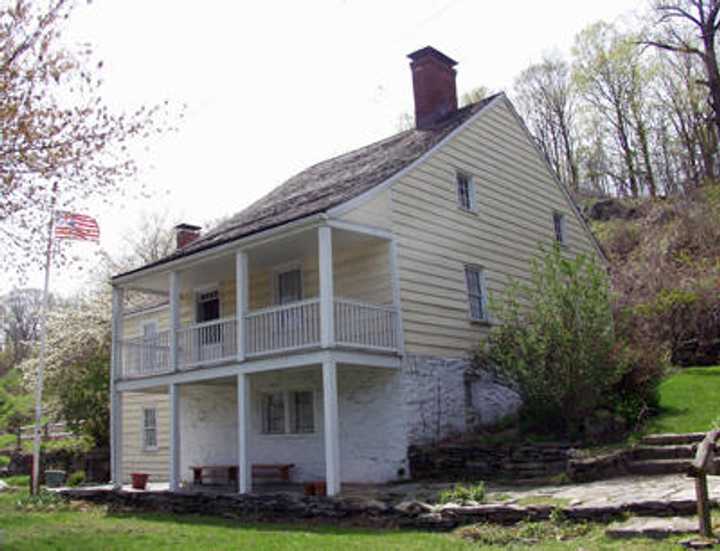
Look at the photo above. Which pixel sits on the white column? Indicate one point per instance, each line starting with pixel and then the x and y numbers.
pixel 118 297
pixel 394 274
pixel 327 322
pixel 241 300
pixel 332 433
pixel 174 320
pixel 243 403
pixel 174 437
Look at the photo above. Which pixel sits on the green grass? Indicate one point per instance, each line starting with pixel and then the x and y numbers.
pixel 45 524
pixel 688 401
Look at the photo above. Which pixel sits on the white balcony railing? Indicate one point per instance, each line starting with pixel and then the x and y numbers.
pixel 205 343
pixel 275 330
pixel 365 325
pixel 144 356
pixel 283 328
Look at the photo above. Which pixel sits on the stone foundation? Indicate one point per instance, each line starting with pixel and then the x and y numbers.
pixel 446 397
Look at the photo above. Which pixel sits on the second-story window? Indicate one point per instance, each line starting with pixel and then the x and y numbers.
pixel 559 226
pixel 477 293
pixel 465 191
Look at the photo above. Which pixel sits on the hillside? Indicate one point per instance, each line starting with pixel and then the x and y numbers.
pixel 665 265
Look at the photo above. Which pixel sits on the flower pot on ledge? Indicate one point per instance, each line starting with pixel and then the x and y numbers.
pixel 139 480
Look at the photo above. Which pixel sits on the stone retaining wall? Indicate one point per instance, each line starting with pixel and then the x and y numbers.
pixel 488 462
pixel 410 514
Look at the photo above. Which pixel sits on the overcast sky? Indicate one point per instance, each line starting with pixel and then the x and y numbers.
pixel 273 87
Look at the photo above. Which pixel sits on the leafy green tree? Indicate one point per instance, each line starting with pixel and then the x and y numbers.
pixel 556 341
pixel 16 405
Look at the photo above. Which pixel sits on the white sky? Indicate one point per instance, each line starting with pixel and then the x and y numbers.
pixel 275 86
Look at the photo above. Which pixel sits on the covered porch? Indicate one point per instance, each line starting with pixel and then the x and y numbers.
pixel 322 416
pixel 327 286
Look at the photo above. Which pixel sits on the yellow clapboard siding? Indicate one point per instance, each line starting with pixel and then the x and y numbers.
pixel 134 458
pixel 516 197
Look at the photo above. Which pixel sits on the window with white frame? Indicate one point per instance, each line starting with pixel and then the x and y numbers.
pixel 149 431
pixel 465 191
pixel 288 412
pixel 559 226
pixel 477 293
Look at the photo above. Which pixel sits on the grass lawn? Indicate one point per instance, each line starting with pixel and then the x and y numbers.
pixel 82 526
pixel 688 401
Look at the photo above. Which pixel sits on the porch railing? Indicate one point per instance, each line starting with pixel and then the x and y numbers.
pixel 279 329
pixel 144 356
pixel 208 342
pixel 283 328
pixel 362 325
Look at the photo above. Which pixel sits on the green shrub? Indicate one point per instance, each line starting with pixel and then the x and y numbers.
pixel 556 341
pixel 463 494
pixel 44 501
pixel 76 478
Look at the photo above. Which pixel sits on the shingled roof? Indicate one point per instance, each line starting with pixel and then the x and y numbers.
pixel 330 183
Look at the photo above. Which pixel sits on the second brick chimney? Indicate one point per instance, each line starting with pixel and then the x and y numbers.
pixel 433 86
pixel 186 234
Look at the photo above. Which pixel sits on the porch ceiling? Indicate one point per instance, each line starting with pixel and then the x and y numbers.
pixel 266 255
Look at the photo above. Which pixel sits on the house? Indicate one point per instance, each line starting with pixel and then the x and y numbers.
pixel 329 324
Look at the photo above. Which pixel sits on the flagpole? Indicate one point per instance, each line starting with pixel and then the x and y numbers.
pixel 43 348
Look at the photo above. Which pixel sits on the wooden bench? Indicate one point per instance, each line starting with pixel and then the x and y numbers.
pixel 280 470
pixel 231 470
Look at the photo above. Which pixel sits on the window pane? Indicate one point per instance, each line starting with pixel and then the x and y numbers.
pixel 463 190
pixel 303 412
pixel 150 438
pixel 558 222
pixel 473 277
pixel 273 413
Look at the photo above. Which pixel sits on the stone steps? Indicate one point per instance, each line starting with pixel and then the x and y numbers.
pixel 641 453
pixel 658 466
pixel 672 439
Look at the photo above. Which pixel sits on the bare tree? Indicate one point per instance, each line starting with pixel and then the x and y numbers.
pixel 57 132
pixel 703 17
pixel 19 321
pixel 547 99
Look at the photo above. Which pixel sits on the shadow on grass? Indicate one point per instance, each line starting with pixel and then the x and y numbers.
pixel 318 526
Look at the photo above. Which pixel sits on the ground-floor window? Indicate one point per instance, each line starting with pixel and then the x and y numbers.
pixel 291 412
pixel 149 433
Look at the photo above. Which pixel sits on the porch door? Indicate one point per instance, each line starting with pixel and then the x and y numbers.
pixel 209 336
pixel 289 290
pixel 150 346
pixel 289 286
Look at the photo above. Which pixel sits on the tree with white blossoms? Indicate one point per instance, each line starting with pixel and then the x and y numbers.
pixel 78 365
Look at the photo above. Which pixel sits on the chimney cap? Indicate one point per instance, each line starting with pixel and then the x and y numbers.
pixel 188 227
pixel 429 51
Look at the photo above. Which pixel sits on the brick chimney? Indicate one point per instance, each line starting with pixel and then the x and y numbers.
pixel 186 234
pixel 433 86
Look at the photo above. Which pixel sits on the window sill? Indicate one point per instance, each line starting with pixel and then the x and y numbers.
pixel 290 435
pixel 154 449
pixel 467 211
pixel 481 323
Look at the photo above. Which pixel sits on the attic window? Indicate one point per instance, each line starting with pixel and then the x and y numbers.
pixel 559 225
pixel 465 191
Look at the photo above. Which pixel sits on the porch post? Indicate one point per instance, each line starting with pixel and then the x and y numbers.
pixel 118 296
pixel 243 402
pixel 241 300
pixel 327 323
pixel 394 274
pixel 174 320
pixel 174 437
pixel 332 437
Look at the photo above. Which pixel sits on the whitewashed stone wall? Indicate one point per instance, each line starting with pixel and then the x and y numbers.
pixel 382 412
pixel 444 397
pixel 373 437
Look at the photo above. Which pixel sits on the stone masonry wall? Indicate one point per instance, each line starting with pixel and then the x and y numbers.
pixel 446 397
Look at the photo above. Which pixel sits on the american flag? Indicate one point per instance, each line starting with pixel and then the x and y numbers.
pixel 69 225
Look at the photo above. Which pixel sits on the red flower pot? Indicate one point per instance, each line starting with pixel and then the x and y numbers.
pixel 139 480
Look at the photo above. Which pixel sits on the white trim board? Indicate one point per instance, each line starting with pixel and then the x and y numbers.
pixel 258 366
